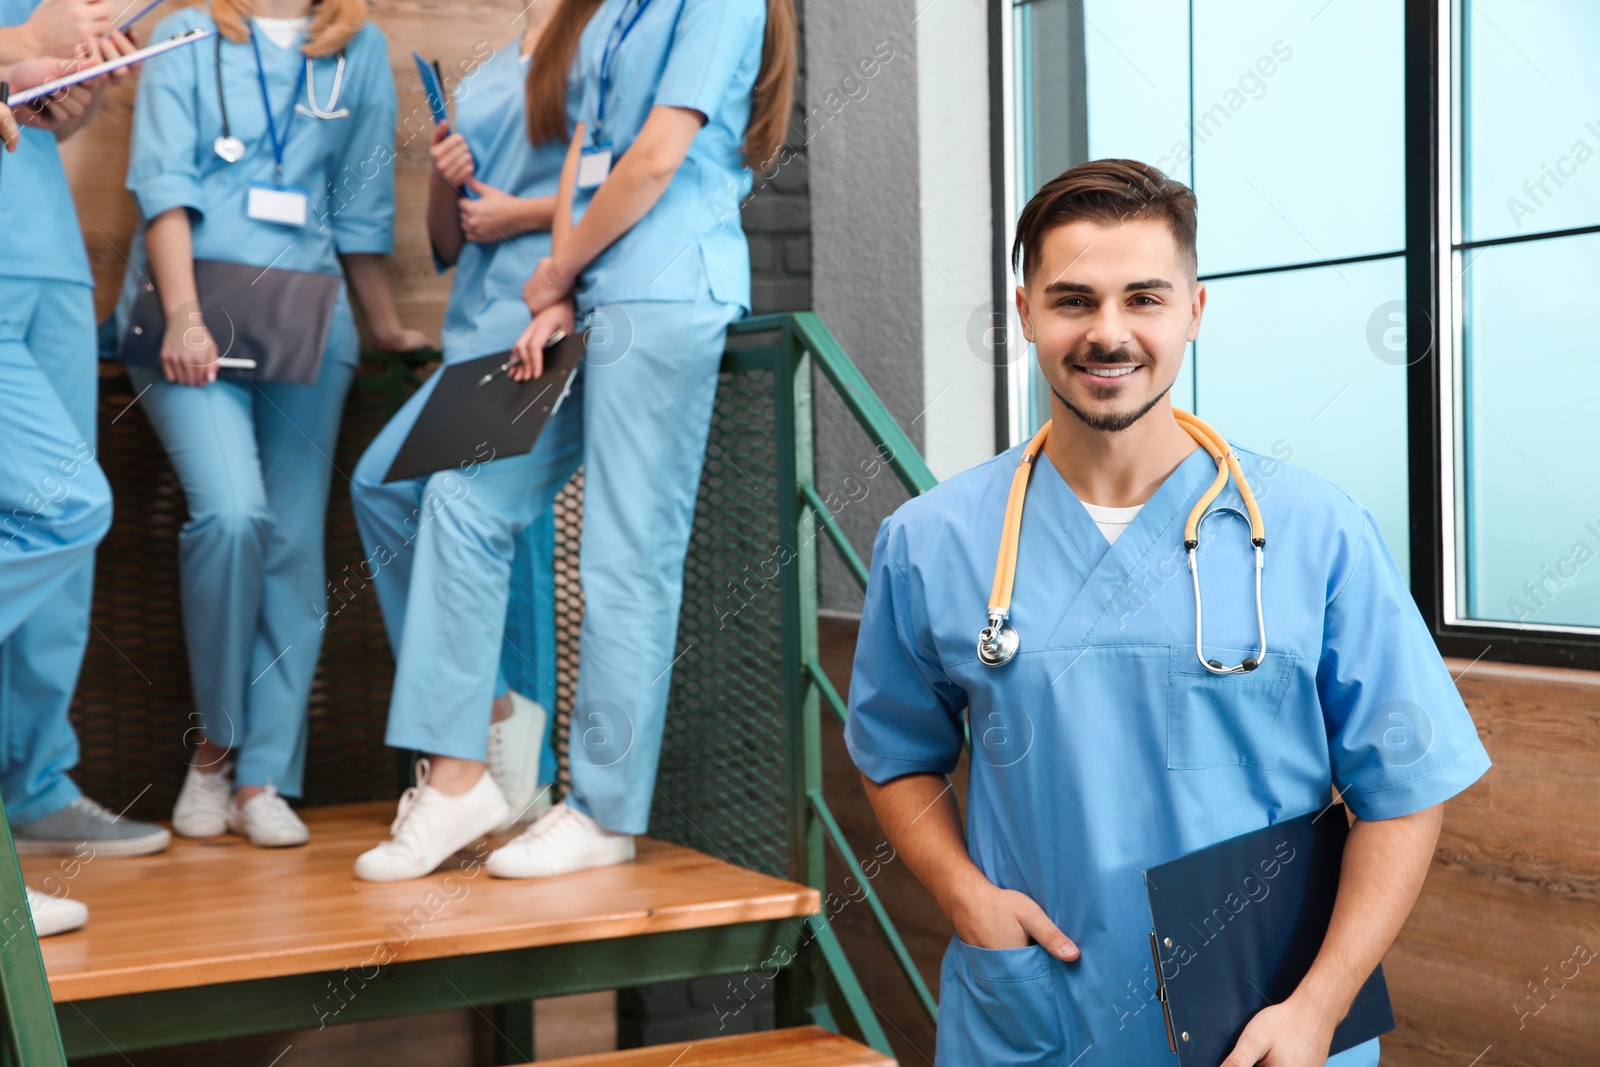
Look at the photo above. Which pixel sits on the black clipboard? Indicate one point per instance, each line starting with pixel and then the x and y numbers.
pixel 1236 926
pixel 467 418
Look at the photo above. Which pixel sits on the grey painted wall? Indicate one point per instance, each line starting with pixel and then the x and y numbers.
pixel 866 271
pixel 897 134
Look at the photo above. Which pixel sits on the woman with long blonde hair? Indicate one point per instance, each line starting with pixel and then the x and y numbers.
pixel 265 152
pixel 675 101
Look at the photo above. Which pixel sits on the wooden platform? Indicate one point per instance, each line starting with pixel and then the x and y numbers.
pixel 802 1046
pixel 222 911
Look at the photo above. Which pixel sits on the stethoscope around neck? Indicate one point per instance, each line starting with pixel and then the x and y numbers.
pixel 998 641
pixel 230 149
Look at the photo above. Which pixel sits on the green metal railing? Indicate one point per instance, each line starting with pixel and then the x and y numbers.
pixel 804 345
pixel 741 776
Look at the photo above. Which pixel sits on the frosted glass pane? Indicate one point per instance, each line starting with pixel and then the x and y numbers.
pixel 1137 56
pixel 1533 116
pixel 1532 488
pixel 1296 361
pixel 1298 130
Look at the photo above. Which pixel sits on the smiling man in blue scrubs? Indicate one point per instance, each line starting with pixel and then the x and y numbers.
pixel 1105 746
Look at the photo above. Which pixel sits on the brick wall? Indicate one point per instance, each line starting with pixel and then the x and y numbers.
pixel 777 219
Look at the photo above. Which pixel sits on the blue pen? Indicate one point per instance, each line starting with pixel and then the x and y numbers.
pixel 128 25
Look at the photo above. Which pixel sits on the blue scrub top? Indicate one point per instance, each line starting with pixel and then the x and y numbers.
pixel 345 164
pixel 39 232
pixel 1105 747
pixel 486 312
pixel 699 54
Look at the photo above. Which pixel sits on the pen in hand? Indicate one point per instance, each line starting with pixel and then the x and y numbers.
pixel 5 93
pixel 505 368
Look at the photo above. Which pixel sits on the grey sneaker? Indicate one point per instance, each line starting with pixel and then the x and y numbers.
pixel 85 823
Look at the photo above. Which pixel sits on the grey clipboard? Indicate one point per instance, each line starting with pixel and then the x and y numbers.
pixel 467 419
pixel 278 318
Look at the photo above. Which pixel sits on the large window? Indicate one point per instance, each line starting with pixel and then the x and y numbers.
pixel 1400 232
pixel 1523 365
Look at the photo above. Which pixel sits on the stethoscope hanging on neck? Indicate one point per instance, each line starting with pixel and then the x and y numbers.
pixel 227 147
pixel 230 149
pixel 998 641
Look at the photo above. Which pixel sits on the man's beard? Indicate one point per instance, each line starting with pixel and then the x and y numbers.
pixel 1116 422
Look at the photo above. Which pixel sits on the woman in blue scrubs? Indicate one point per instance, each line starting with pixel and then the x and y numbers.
pixel 310 114
pixel 493 239
pixel 682 95
pixel 1105 746
pixel 54 502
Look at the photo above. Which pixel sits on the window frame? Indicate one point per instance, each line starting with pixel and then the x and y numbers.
pixel 1434 63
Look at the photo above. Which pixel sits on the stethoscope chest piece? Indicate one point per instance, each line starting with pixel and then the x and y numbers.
pixel 229 149
pixel 998 641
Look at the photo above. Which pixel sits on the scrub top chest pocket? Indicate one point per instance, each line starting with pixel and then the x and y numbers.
pixel 1224 720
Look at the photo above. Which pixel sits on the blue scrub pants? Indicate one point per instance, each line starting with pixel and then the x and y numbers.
pixel 55 506
pixel 440 552
pixel 255 461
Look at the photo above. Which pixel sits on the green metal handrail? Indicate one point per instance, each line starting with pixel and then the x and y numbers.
pixel 805 344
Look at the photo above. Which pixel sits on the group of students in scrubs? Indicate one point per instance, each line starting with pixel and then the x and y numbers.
pixel 576 186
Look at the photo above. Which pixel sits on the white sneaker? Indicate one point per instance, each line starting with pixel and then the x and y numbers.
pixel 430 827
pixel 562 840
pixel 202 807
pixel 267 820
pixel 55 915
pixel 515 746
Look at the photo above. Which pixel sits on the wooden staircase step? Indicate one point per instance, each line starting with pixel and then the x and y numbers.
pixel 220 910
pixel 801 1046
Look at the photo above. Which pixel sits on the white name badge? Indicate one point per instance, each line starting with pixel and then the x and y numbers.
pixel 593 166
pixel 285 206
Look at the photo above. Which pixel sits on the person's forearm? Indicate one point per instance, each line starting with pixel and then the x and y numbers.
pixel 922 821
pixel 633 187
pixel 444 220
pixel 535 212
pixel 1385 863
pixel 561 221
pixel 16 44
pixel 368 276
pixel 170 246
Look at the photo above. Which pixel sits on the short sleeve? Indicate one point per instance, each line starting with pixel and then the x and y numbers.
pixel 905 713
pixel 163 153
pixel 1399 737
pixel 361 196
pixel 709 39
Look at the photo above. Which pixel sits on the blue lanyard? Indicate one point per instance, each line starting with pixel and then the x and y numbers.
pixel 278 144
pixel 619 33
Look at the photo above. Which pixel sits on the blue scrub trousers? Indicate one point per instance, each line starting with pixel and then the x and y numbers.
pixel 440 552
pixel 55 506
pixel 255 461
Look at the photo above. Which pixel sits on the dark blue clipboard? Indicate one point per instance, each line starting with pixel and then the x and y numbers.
pixel 1237 925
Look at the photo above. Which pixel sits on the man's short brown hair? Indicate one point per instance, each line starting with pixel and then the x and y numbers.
pixel 1108 192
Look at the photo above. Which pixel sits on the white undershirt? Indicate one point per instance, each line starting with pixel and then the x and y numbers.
pixel 1112 521
pixel 285 33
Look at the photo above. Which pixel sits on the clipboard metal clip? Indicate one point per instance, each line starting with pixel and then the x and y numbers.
pixel 1161 994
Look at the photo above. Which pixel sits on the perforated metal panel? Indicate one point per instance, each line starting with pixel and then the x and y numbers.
pixel 722 786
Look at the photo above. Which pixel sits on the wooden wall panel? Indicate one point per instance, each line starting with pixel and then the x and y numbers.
pixel 454 33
